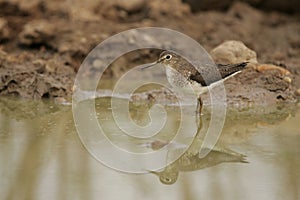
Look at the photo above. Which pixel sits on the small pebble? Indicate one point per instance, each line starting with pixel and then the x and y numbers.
pixel 74 88
pixel 297 92
pixel 97 63
pixel 83 40
pixel 60 100
pixel 287 79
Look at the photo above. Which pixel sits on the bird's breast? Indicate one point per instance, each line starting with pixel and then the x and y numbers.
pixel 175 78
pixel 181 82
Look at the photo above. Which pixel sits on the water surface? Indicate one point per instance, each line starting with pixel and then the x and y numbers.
pixel 42 157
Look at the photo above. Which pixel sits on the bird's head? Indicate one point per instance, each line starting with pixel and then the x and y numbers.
pixel 166 58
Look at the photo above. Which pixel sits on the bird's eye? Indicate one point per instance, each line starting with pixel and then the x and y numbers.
pixel 168 57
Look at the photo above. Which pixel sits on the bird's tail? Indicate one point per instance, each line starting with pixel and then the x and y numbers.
pixel 229 69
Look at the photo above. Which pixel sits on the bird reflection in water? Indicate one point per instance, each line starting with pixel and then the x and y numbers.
pixel 191 160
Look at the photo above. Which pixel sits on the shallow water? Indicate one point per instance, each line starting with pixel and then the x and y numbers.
pixel 42 156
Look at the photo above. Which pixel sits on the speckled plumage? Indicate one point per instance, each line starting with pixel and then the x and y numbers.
pixel 180 72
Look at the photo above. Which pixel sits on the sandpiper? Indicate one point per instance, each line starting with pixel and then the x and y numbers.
pixel 181 73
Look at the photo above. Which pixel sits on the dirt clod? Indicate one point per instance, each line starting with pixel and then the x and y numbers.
pixel 4 30
pixel 38 32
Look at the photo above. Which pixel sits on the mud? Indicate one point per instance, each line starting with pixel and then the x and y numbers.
pixel 43 43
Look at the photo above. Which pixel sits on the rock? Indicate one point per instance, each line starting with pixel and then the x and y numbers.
pixel 4 30
pixel 265 67
pixel 233 52
pixel 38 32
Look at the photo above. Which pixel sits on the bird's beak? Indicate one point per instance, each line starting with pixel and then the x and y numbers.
pixel 149 65
pixel 152 64
pixel 154 172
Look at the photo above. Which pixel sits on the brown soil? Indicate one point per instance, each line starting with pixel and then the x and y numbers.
pixel 42 43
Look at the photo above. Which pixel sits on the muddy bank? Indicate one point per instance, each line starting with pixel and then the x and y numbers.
pixel 43 43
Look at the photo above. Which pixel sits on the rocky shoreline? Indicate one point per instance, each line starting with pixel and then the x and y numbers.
pixel 42 45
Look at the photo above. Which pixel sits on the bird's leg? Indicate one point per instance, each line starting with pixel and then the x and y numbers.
pixel 199 111
pixel 199 105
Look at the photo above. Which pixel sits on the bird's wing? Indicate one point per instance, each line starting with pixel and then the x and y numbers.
pixel 227 70
pixel 211 77
pixel 198 78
